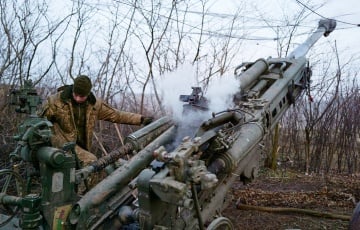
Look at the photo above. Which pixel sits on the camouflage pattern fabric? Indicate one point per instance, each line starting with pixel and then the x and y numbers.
pixel 58 110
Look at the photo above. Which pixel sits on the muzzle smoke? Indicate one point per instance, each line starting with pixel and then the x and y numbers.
pixel 219 93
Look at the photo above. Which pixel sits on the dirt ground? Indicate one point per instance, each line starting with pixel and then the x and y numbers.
pixel 317 194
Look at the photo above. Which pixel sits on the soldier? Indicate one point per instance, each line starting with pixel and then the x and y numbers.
pixel 73 112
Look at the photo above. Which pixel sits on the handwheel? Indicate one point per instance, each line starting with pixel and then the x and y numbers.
pixel 14 185
pixel 220 223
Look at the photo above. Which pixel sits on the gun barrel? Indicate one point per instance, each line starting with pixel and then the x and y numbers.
pixel 326 26
pixel 117 180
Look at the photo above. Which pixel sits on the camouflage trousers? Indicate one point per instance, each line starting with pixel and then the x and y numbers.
pixel 86 158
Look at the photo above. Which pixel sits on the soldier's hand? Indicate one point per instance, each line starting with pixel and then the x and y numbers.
pixel 146 120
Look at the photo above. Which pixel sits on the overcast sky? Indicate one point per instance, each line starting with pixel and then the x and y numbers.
pixel 257 22
pixel 346 12
pixel 259 32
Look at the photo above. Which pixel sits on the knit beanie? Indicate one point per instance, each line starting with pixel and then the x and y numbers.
pixel 82 85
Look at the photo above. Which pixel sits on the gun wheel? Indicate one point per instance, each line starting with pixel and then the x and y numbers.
pixel 220 223
pixel 14 185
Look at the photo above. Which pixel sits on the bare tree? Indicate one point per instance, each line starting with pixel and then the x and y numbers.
pixel 157 29
pixel 28 32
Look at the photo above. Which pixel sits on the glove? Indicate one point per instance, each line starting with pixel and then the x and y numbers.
pixel 146 120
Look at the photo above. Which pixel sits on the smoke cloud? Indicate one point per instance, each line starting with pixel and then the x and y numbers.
pixel 219 94
pixel 174 84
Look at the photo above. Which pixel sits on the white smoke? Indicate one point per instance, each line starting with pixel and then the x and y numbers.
pixel 220 94
pixel 221 91
pixel 174 84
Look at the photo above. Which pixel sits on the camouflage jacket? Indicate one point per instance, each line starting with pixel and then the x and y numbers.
pixel 58 110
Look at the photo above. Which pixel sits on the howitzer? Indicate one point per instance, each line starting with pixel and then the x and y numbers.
pixel 188 190
pixel 162 187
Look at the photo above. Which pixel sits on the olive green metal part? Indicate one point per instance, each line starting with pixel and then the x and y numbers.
pixel 31 217
pixel 96 199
